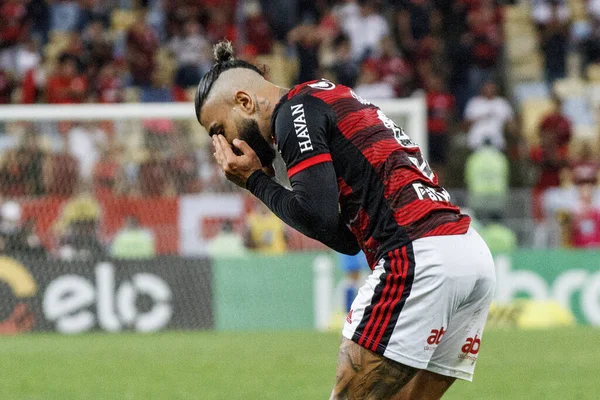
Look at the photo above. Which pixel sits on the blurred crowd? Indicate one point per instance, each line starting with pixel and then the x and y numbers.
pixel 451 52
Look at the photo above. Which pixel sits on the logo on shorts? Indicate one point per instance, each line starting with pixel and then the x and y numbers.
pixel 349 317
pixel 434 339
pixel 471 348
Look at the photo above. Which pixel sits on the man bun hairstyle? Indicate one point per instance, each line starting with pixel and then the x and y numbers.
pixel 224 60
pixel 223 52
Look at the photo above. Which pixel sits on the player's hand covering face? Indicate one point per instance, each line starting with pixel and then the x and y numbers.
pixel 237 168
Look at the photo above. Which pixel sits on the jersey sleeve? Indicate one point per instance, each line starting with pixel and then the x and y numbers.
pixel 302 132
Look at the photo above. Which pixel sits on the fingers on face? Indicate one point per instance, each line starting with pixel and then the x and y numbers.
pixel 223 153
pixel 242 145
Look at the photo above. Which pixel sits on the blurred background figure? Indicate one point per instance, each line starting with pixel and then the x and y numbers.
pixel 133 241
pixel 12 238
pixel 486 176
pixel 499 237
pixel 441 108
pixel 265 232
pixel 554 39
pixel 487 116
pixel 228 242
pixel 584 221
pixel 77 228
pixel 352 267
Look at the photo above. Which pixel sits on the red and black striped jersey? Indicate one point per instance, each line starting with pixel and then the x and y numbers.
pixel 388 195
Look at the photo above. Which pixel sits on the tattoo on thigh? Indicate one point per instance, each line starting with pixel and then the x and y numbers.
pixel 362 374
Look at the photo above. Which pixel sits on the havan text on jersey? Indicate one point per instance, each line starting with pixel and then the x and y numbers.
pixel 301 128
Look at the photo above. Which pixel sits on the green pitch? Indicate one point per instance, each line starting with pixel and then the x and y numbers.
pixel 556 364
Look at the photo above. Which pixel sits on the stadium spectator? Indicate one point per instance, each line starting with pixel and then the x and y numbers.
pixel 460 59
pixel 440 113
pixel 431 60
pixel 38 12
pixel 133 241
pixel 67 85
pixel 14 30
pixel 370 85
pixel 107 173
pixel 352 266
pixel 6 88
pixel 158 133
pixel 344 68
pixel 85 140
pixel 364 25
pixel 61 172
pixel 414 19
pixel 33 246
pixel 487 179
pixel 556 125
pixel 593 8
pixel 27 58
pixel 17 238
pixel 487 116
pixel 109 85
pixel 21 172
pixel 157 91
pixel 499 237
pixel 257 30
pixel 584 220
pixel 551 156
pixel 265 232
pixel 142 45
pixel 12 239
pixel 77 228
pixel 227 243
pixel 97 47
pixel 306 39
pixel 184 167
pixel 543 11
pixel 94 10
pixel 554 41
pixel 221 24
pixel 584 168
pixel 154 175
pixel 192 52
pixel 394 69
pixel 485 31
pixel 64 15
pixel 590 45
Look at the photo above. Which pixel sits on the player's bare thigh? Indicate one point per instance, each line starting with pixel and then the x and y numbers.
pixel 364 375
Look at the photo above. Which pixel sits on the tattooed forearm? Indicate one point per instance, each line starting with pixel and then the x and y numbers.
pixel 364 375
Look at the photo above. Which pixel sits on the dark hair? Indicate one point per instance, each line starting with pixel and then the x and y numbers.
pixel 340 39
pixel 224 60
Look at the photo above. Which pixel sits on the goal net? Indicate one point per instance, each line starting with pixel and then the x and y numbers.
pixel 103 207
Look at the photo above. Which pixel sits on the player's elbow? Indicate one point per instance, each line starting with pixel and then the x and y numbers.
pixel 325 226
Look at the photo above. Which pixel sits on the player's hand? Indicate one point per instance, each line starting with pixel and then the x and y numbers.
pixel 237 168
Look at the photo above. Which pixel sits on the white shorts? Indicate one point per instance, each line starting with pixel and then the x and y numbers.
pixel 425 304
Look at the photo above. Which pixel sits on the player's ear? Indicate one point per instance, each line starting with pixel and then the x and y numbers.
pixel 245 101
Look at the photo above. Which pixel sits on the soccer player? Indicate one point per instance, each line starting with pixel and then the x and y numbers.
pixel 359 182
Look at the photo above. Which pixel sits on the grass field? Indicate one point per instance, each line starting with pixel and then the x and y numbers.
pixel 540 365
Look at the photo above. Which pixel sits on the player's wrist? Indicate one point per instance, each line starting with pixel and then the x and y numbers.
pixel 254 178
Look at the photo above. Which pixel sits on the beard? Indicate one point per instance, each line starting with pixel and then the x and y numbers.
pixel 250 133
